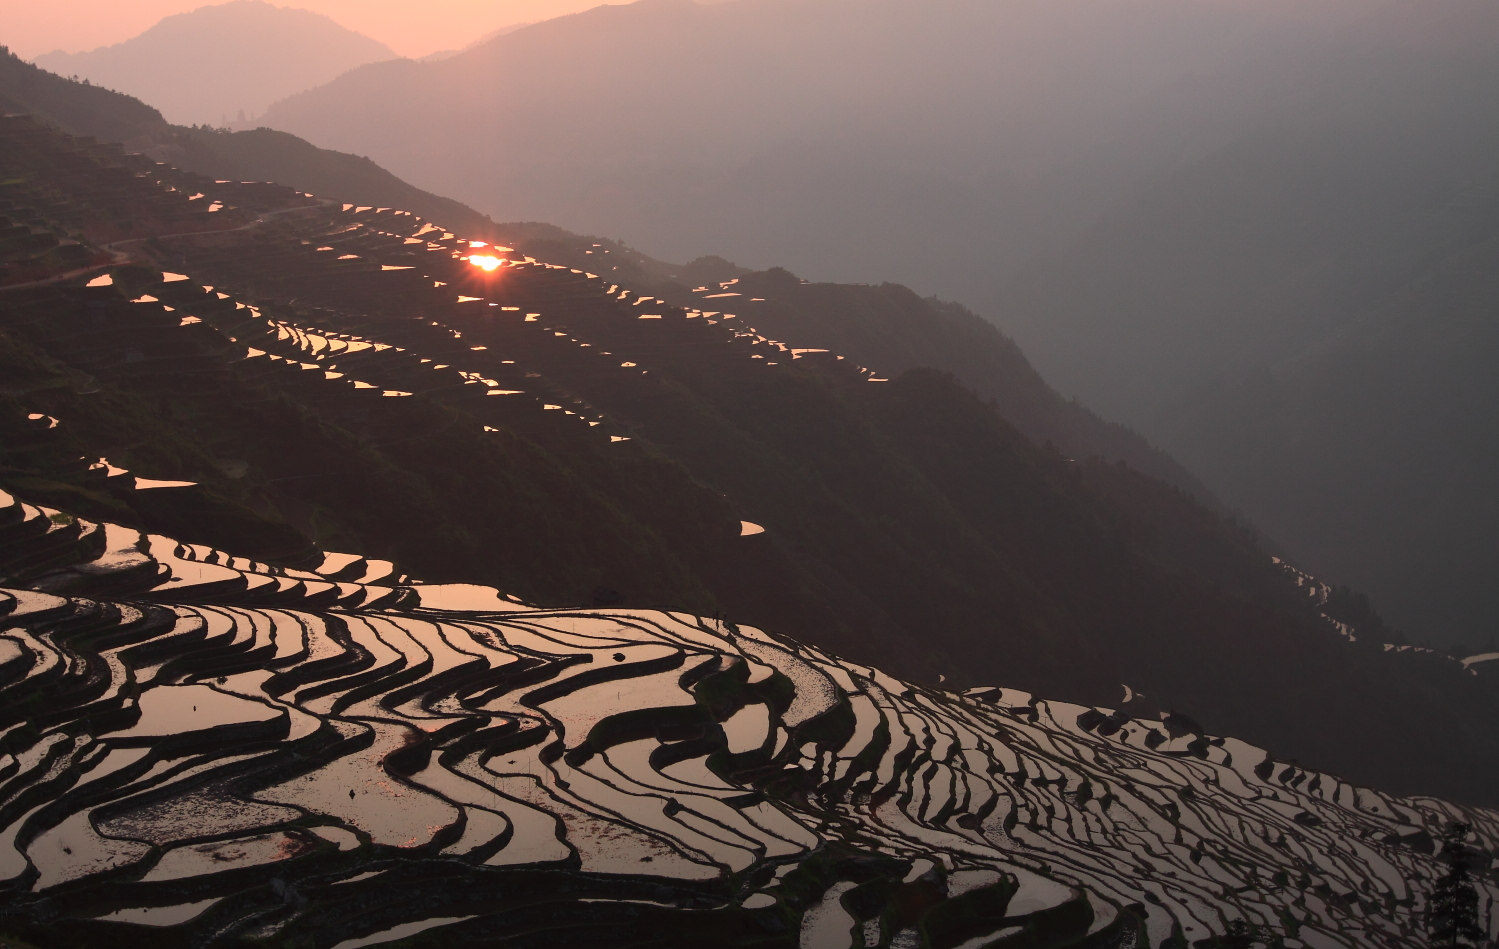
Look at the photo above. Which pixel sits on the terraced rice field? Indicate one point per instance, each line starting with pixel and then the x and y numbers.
pixel 215 750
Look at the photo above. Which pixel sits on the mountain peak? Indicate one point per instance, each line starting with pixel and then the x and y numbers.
pixel 225 62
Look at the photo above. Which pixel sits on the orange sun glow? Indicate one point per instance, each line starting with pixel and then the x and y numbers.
pixel 486 261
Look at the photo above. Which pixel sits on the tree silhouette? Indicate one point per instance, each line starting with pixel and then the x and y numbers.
pixel 1452 912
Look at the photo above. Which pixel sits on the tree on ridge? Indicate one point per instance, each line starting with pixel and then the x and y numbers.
pixel 1452 911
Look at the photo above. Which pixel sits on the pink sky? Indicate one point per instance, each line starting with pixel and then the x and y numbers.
pixel 410 27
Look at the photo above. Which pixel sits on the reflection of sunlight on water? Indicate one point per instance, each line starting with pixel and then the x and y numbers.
pixel 487 262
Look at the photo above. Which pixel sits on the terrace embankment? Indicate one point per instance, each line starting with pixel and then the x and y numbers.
pixel 224 751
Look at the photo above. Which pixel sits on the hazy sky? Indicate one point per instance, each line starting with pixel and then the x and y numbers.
pixel 33 27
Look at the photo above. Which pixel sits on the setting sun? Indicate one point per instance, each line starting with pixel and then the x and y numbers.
pixel 486 261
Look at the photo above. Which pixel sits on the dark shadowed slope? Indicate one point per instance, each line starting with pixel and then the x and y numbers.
pixel 346 375
pixel 886 325
pixel 225 63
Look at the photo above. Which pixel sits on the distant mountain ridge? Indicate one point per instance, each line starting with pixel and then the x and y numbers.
pixel 257 154
pixel 223 64
pixel 815 140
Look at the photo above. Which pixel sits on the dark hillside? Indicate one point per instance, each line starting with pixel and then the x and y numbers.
pixel 75 107
pixel 886 326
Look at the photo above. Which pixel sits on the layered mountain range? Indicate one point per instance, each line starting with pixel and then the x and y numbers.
pixel 611 473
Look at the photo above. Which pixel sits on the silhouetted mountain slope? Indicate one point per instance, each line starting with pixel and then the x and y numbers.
pixel 848 140
pixel 223 63
pixel 259 154
pixel 348 374
pixel 887 326
pixel 75 107
pixel 891 327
